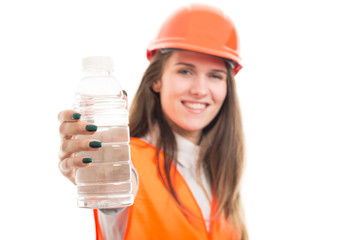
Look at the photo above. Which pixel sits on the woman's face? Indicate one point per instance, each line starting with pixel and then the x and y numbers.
pixel 192 90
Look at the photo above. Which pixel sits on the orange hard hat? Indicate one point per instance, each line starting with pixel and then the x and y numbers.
pixel 199 28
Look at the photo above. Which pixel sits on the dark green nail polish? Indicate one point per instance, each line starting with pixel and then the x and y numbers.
pixel 76 116
pixel 87 160
pixel 124 92
pixel 91 128
pixel 95 144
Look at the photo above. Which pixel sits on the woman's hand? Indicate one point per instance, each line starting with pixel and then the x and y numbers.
pixel 69 127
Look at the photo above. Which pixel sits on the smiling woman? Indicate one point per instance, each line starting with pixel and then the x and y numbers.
pixel 192 90
pixel 187 140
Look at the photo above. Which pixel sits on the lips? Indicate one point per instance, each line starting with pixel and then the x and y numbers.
pixel 195 106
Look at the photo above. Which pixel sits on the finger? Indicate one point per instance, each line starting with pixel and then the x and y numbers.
pixel 69 165
pixel 69 129
pixel 71 146
pixel 68 115
pixel 124 96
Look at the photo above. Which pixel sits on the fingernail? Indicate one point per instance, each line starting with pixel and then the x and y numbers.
pixel 87 160
pixel 76 116
pixel 95 144
pixel 91 128
pixel 124 92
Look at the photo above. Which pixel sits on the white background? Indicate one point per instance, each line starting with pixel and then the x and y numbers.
pixel 299 93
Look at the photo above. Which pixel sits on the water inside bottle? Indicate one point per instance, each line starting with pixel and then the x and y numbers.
pixel 106 183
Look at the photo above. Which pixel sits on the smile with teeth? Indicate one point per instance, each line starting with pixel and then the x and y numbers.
pixel 195 105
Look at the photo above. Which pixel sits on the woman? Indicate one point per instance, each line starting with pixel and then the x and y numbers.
pixel 187 142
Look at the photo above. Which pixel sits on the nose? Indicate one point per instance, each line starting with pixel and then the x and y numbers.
pixel 199 86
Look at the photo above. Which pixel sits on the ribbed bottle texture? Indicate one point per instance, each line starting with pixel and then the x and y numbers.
pixel 106 183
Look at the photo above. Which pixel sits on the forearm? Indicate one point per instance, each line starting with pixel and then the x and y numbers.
pixel 113 222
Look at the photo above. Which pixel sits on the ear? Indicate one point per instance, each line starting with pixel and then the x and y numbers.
pixel 156 86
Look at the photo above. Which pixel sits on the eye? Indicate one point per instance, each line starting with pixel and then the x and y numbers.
pixel 217 76
pixel 184 72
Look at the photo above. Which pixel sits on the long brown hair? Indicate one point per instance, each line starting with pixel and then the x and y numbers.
pixel 224 160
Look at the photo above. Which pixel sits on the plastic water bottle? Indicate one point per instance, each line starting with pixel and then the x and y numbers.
pixel 106 183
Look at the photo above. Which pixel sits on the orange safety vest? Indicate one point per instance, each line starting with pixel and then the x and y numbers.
pixel 156 215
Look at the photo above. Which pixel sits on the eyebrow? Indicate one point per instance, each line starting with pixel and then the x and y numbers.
pixel 186 64
pixel 193 66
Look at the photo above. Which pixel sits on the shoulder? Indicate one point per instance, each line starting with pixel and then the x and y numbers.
pixel 138 144
pixel 141 151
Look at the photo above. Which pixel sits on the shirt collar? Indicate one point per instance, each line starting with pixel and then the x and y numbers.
pixel 188 152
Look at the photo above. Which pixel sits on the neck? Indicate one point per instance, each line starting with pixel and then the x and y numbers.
pixel 192 136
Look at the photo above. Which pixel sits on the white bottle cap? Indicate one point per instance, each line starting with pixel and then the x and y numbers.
pixel 97 63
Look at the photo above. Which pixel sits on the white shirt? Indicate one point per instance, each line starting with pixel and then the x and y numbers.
pixel 188 154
